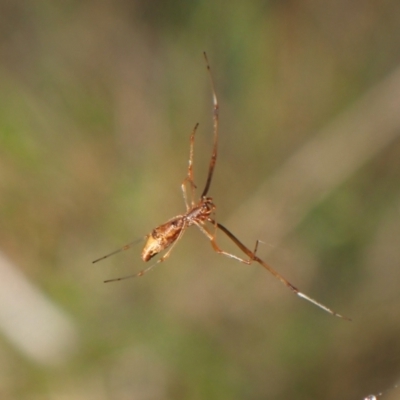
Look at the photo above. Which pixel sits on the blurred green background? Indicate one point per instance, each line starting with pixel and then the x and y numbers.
pixel 98 99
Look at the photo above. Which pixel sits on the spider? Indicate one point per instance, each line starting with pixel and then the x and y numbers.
pixel 166 236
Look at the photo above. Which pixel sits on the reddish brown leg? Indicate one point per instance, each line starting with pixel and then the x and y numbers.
pixel 189 177
pixel 215 246
pixel 215 119
pixel 253 257
pixel 126 247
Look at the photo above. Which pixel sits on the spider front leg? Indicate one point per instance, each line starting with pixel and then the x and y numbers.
pixel 278 276
pixel 225 253
pixel 215 246
pixel 189 177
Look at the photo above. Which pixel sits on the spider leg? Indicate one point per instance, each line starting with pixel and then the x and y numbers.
pixel 189 177
pixel 162 259
pixel 215 119
pixel 126 247
pixel 254 257
pixel 215 246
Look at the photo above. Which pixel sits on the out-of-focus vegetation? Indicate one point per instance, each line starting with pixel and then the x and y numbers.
pixel 97 102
